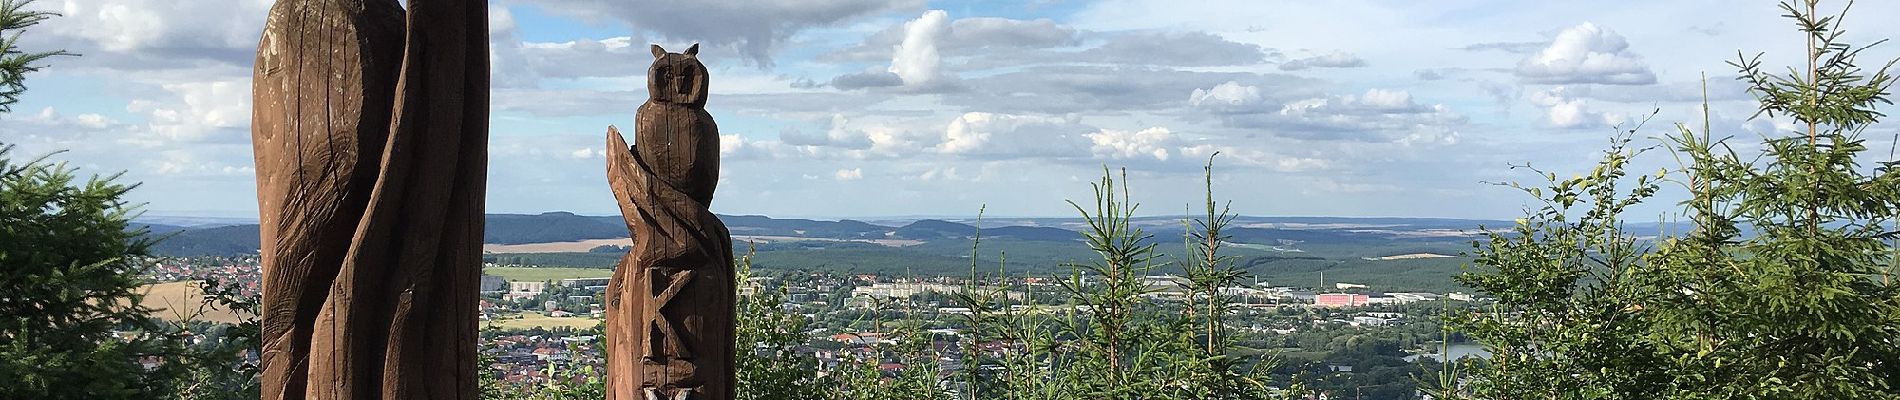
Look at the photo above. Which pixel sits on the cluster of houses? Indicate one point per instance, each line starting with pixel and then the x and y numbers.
pixel 524 358
pixel 1172 287
pixel 242 272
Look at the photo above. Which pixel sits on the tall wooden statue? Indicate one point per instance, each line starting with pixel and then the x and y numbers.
pixel 370 126
pixel 670 303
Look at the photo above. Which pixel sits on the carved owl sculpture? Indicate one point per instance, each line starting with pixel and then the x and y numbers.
pixel 670 302
pixel 673 134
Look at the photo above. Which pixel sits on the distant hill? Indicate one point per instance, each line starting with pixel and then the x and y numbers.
pixel 219 237
pixel 214 241
pixel 934 229
pixel 549 227
pixel 568 227
pixel 758 225
pixel 1295 250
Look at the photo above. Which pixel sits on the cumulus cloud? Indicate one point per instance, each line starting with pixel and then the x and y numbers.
pixel 1062 90
pixel 839 135
pixel 1563 110
pixel 153 34
pixel 992 135
pixel 1378 115
pixel 1229 94
pixel 844 139
pixel 1121 145
pixel 1336 59
pixel 196 112
pixel 519 64
pixel 754 28
pixel 965 36
pixel 1586 53
pixel 1508 47
pixel 182 162
pixel 849 174
pixel 917 61
pixel 1256 158
pixel 1372 102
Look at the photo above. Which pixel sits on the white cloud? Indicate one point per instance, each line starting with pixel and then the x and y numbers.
pixel 839 135
pixel 1120 145
pixel 1562 110
pixel 940 173
pixel 1374 102
pixel 1257 158
pixel 916 57
pixel 992 135
pixel 755 29
pixel 1378 115
pixel 966 35
pixel 184 162
pixel 1586 53
pixel 1229 94
pixel 917 61
pixel 1386 100
pixel 1335 59
pixel 154 34
pixel 731 145
pixel 849 174
pixel 199 111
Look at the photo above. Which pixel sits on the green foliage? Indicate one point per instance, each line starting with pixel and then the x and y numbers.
pixel 1784 289
pixel 217 364
pixel 15 63
pixel 69 290
pixel 1216 373
pixel 768 362
pixel 1109 290
pixel 70 323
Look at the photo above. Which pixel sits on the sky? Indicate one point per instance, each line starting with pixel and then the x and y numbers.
pixel 887 108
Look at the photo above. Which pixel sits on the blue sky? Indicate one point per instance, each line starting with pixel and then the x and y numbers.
pixel 865 108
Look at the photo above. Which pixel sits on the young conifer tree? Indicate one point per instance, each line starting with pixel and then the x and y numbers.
pixel 16 63
pixel 1783 289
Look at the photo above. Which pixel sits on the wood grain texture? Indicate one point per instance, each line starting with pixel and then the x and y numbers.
pixel 370 131
pixel 670 304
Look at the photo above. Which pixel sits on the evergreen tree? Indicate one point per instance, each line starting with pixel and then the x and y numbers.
pixel 15 63
pixel 70 321
pixel 1784 289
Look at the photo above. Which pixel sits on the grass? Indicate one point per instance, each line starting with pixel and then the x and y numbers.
pixel 534 319
pixel 543 274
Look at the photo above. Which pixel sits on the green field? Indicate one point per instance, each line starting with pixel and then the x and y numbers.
pixel 540 274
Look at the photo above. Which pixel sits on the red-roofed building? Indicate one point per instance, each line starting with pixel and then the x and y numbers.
pixel 1341 300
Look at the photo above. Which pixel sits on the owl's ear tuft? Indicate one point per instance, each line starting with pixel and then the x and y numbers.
pixel 658 52
pixel 692 51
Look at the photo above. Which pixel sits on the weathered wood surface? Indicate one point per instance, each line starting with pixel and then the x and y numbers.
pixel 370 127
pixel 670 303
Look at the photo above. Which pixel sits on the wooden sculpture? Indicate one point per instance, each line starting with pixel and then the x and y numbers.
pixel 670 303
pixel 370 127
